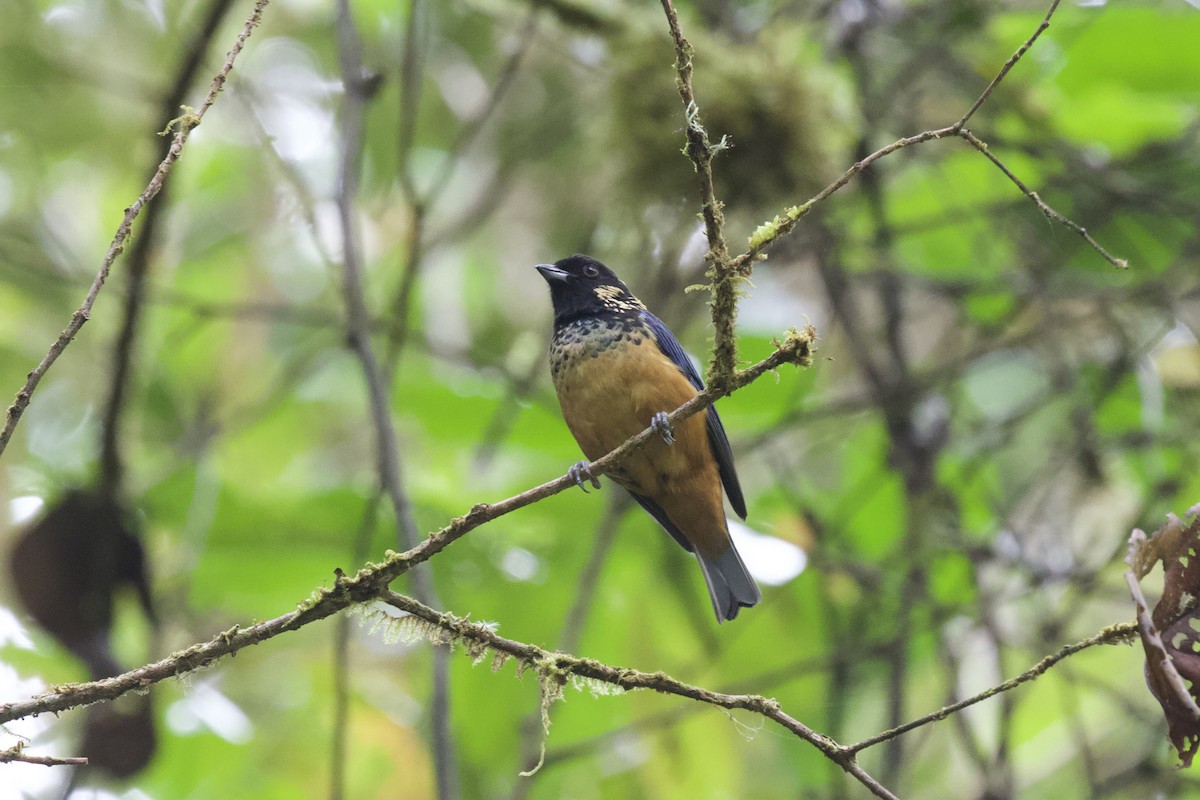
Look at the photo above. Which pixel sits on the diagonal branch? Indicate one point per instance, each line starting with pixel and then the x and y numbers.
pixel 1008 65
pixel 769 232
pixel 564 664
pixel 982 147
pixel 1113 633
pixel 183 127
pixel 111 463
pixel 373 579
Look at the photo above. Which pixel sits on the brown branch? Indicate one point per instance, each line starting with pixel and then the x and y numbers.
pixel 373 579
pixel 1113 633
pixel 1119 263
pixel 111 464
pixel 563 664
pixel 723 278
pixel 767 233
pixel 1008 65
pixel 16 753
pixel 183 127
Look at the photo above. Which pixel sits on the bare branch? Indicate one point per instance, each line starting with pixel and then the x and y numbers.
pixel 1008 65
pixel 982 147
pixel 17 753
pixel 183 127
pixel 1113 633
pixel 767 233
pixel 111 464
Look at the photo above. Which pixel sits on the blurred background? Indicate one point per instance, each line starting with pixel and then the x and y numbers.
pixel 940 501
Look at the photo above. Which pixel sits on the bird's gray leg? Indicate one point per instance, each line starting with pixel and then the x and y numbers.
pixel 661 423
pixel 579 472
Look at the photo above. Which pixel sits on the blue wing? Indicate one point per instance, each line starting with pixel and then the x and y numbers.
pixel 717 439
pixel 660 516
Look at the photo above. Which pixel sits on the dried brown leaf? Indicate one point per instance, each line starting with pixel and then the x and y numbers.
pixel 1171 634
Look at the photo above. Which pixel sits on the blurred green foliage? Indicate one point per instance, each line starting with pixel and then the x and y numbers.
pixel 993 408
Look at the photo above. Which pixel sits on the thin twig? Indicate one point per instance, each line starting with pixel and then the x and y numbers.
pixel 769 232
pixel 111 464
pixel 16 753
pixel 184 125
pixel 1110 634
pixel 1008 65
pixel 982 147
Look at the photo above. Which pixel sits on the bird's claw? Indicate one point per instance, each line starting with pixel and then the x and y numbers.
pixel 579 472
pixel 661 423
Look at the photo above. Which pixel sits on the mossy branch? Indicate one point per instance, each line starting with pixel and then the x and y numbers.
pixel 727 273
pixel 724 281
pixel 373 579
pixel 556 669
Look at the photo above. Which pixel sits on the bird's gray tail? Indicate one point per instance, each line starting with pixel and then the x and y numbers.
pixel 729 583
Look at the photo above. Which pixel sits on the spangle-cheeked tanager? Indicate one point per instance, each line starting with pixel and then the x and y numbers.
pixel 618 370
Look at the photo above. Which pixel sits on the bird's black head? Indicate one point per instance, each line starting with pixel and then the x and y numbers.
pixel 580 286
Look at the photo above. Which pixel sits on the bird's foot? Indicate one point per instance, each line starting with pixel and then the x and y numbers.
pixel 661 423
pixel 579 472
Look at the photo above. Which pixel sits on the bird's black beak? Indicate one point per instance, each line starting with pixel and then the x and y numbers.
pixel 552 273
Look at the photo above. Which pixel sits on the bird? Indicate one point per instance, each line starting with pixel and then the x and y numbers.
pixel 617 369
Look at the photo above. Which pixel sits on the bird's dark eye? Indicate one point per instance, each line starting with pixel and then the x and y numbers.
pixel 590 271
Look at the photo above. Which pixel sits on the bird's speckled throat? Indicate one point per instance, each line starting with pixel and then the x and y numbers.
pixel 588 337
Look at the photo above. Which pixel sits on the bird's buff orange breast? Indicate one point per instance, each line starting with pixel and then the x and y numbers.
pixel 610 390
